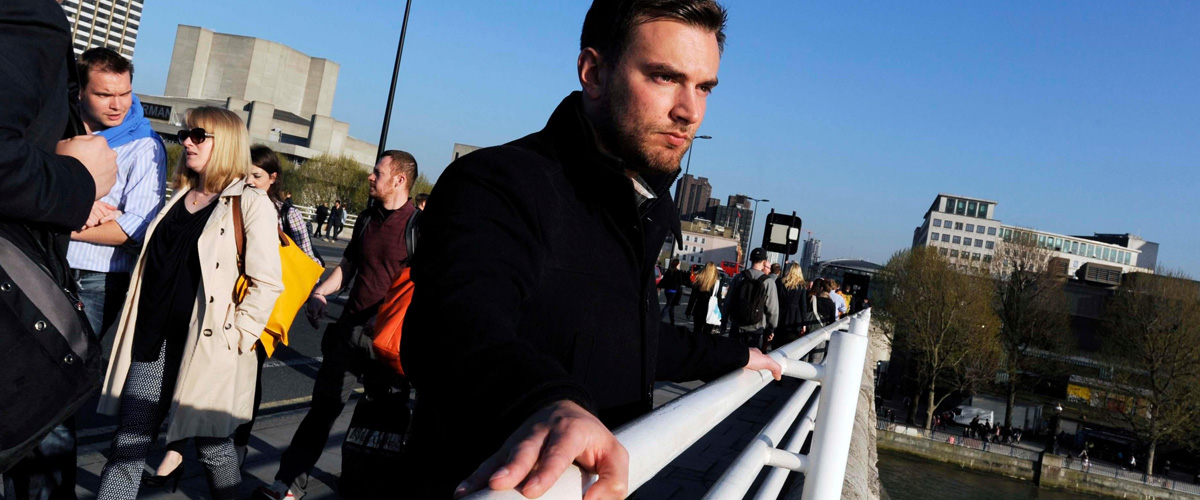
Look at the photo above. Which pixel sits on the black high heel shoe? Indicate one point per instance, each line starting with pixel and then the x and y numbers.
pixel 156 481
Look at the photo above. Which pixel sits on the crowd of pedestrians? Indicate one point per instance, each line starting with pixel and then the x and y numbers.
pixel 547 355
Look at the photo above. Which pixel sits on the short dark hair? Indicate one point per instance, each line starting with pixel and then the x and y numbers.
pixel 608 23
pixel 264 157
pixel 102 59
pixel 402 163
pixel 420 198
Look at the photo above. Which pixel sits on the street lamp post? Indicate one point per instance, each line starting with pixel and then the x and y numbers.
pixel 753 217
pixel 387 114
pixel 688 169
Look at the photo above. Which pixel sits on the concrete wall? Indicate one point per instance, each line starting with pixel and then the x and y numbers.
pixel 1055 475
pixel 862 470
pixel 982 461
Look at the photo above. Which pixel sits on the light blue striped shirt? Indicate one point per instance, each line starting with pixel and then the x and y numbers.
pixel 139 194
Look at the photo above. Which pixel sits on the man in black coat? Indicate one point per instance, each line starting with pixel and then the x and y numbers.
pixel 535 323
pixel 47 189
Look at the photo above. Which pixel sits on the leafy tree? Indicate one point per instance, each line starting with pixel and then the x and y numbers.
pixel 174 151
pixel 944 321
pixel 1032 307
pixel 327 178
pixel 1151 331
pixel 421 185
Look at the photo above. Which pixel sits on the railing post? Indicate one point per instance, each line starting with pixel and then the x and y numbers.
pixel 838 400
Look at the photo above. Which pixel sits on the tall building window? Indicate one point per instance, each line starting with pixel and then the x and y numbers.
pixel 954 253
pixel 958 226
pixel 933 236
pixel 945 237
pixel 960 207
pixel 970 228
pixel 957 240
pixel 983 209
pixel 991 231
pixel 967 241
pixel 979 242
pixel 979 229
pixel 937 222
pixel 949 205
pixel 971 208
pixel 991 245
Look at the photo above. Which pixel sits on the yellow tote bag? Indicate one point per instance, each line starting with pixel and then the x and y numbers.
pixel 300 274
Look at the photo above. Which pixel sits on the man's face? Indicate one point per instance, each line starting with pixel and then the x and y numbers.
pixel 106 98
pixel 655 96
pixel 384 179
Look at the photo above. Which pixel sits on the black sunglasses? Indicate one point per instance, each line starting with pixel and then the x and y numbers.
pixel 196 134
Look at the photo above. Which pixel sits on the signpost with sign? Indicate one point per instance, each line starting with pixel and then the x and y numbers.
pixel 782 233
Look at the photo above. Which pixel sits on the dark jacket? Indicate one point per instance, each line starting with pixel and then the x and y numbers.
pixel 42 197
pixel 321 214
pixel 674 279
pixel 792 306
pixel 534 283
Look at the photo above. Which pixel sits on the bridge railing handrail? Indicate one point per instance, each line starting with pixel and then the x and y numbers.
pixel 655 439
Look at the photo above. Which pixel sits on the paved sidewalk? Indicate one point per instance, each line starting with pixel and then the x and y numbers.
pixel 271 436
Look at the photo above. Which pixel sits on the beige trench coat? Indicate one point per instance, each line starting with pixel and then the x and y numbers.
pixel 214 391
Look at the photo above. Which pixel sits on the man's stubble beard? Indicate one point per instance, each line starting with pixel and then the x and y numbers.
pixel 627 140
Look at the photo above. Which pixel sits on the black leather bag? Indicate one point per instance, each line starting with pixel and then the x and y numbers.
pixel 374 446
pixel 49 360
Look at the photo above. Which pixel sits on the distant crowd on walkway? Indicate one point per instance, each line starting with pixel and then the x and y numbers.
pixel 528 323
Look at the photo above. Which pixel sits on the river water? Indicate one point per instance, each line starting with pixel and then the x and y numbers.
pixel 908 478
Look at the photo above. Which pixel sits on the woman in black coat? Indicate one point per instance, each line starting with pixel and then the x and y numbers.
pixel 793 304
pixel 826 311
pixel 672 286
pixel 707 285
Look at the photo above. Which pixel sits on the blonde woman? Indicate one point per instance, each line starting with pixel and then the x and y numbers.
pixel 697 308
pixel 183 347
pixel 793 304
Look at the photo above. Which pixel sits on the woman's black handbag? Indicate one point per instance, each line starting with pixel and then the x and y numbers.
pixel 373 450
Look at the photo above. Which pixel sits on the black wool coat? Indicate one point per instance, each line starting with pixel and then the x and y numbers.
pixel 43 372
pixel 534 283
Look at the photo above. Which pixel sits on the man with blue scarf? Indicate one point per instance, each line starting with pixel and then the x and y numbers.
pixel 103 254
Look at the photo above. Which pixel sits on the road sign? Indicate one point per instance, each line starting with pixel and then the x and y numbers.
pixel 782 233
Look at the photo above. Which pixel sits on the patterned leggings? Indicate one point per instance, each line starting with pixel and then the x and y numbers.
pixel 144 405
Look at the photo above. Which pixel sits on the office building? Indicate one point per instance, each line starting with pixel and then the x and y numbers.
pixel 104 23
pixel 461 150
pixel 966 231
pixel 737 218
pixel 704 242
pixel 692 196
pixel 810 254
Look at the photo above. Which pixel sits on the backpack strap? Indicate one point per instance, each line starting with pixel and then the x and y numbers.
pixel 412 232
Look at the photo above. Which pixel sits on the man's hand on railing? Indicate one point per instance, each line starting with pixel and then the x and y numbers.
pixel 760 361
pixel 539 451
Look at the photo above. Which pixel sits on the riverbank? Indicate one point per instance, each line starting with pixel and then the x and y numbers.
pixel 1040 470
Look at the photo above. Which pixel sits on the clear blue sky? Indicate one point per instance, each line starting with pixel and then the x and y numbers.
pixel 1076 116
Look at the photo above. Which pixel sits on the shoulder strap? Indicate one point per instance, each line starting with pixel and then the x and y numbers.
pixel 239 234
pixel 412 232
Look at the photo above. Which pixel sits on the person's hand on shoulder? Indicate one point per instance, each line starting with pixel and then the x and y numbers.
pixel 95 155
pixel 539 451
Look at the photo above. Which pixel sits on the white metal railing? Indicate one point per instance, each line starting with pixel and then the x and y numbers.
pixel 655 439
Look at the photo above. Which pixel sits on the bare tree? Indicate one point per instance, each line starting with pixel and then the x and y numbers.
pixel 944 321
pixel 1032 307
pixel 1152 333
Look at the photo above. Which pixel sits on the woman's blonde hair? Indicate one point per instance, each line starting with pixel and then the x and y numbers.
pixel 793 277
pixel 230 157
pixel 707 279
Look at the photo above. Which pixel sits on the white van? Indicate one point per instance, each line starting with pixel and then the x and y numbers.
pixel 963 415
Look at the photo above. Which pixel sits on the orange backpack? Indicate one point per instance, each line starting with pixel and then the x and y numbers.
pixel 389 320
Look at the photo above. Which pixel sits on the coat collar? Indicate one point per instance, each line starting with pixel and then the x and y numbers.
pixel 596 173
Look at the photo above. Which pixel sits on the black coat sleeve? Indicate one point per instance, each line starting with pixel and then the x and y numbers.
pixel 37 186
pixel 684 356
pixel 477 264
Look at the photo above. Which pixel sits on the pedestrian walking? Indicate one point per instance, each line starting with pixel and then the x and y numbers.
pixel 706 287
pixel 793 305
pixel 183 347
pixel 672 286
pixel 375 257
pixel 753 302
pixel 319 218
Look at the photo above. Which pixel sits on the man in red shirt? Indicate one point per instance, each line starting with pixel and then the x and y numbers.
pixel 375 257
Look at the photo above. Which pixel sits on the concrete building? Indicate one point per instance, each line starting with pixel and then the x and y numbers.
pixel 691 196
pixel 104 23
pixel 704 242
pixel 967 232
pixel 284 96
pixel 461 150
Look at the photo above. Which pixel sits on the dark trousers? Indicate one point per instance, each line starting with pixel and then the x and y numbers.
pixel 241 437
pixel 317 233
pixel 336 379
pixel 752 337
pixel 672 299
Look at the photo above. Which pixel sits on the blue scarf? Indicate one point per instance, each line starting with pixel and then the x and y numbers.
pixel 135 127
